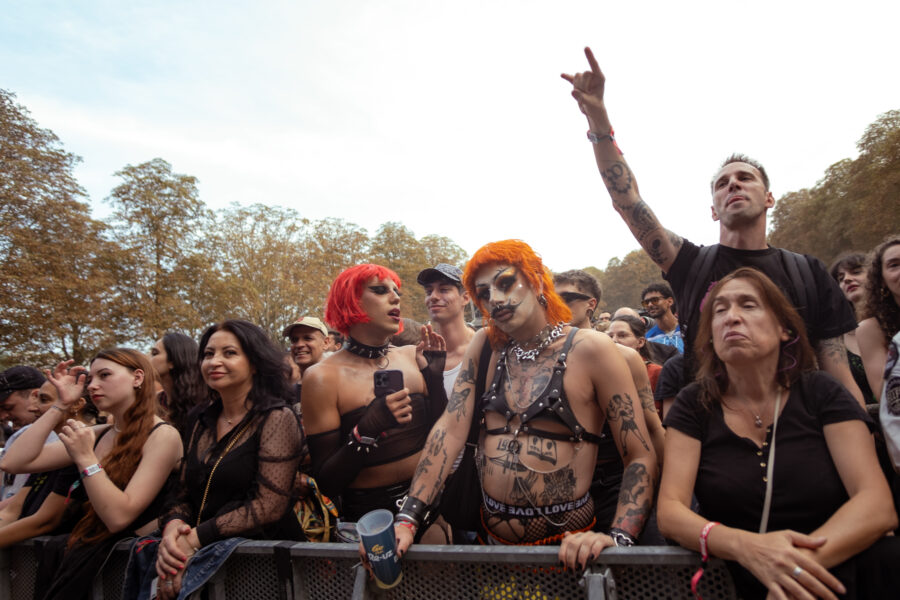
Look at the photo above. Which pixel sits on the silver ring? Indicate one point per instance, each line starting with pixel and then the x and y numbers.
pixel 797 572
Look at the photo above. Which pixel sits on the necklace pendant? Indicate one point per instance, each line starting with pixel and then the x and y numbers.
pixel 757 421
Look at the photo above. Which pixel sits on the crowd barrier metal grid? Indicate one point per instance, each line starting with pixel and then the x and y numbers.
pixel 332 572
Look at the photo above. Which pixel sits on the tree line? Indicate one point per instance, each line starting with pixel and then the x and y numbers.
pixel 71 284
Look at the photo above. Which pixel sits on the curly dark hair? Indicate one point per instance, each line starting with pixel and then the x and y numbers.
pixel 880 303
pixel 188 389
pixel 712 375
pixel 271 374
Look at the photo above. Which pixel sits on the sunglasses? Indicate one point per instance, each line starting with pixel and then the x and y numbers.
pixel 650 301
pixel 570 297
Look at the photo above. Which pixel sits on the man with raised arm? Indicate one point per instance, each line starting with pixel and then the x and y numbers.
pixel 740 199
pixel 549 390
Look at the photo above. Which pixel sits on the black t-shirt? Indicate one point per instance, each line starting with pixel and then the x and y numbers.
pixel 806 487
pixel 833 314
pixel 671 379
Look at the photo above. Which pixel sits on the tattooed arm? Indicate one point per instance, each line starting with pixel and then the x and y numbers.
pixel 447 437
pixel 661 245
pixel 618 399
pixel 832 356
pixel 645 395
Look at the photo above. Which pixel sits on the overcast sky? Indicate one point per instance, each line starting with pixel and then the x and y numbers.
pixel 451 117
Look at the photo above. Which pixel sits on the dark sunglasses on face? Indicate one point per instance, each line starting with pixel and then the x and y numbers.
pixel 570 297
pixel 654 300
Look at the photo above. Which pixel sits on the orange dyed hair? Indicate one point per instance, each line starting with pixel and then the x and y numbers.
pixel 539 277
pixel 122 461
pixel 343 309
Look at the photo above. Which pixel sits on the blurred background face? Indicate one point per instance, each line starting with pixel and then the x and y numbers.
pixel 621 333
pixel 16 408
pixel 655 304
pixel 44 399
pixel 853 283
pixel 159 359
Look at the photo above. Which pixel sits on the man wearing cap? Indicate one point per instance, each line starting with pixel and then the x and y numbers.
pixel 307 336
pixel 446 301
pixel 19 388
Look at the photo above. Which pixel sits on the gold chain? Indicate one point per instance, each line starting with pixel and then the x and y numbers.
pixel 211 473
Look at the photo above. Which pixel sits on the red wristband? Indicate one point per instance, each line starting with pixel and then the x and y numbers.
pixel 704 556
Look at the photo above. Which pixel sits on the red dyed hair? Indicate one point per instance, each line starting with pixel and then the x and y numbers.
pixel 342 309
pixel 125 455
pixel 539 277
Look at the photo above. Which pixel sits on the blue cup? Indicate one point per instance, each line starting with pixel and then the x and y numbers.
pixel 376 531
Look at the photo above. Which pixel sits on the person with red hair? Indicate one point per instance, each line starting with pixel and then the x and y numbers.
pixel 365 442
pixel 552 387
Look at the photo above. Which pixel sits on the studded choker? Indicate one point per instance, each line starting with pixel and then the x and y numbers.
pixel 358 348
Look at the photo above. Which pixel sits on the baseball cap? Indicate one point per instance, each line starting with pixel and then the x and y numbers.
pixel 311 322
pixel 440 271
pixel 19 378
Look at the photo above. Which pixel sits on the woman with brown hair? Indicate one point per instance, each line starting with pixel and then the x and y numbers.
pixel 784 522
pixel 882 309
pixel 849 270
pixel 123 467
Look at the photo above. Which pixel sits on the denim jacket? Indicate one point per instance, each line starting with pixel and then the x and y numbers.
pixel 141 570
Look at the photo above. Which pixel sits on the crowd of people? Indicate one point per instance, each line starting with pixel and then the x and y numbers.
pixel 542 421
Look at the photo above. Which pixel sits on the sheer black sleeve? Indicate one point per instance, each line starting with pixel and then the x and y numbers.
pixel 276 485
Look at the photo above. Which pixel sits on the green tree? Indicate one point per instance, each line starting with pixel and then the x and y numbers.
pixel 158 216
pixel 396 247
pixel 624 279
pixel 853 206
pixel 57 271
pixel 260 252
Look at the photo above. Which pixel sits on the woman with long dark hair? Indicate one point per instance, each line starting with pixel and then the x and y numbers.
pixel 849 270
pixel 240 474
pixel 882 309
pixel 174 356
pixel 123 467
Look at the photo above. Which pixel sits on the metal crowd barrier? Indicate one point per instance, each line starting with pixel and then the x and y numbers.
pixel 309 571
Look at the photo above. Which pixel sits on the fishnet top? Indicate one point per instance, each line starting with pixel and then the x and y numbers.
pixel 254 487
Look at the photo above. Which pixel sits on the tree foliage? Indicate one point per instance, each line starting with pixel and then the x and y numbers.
pixel 853 206
pixel 623 280
pixel 56 269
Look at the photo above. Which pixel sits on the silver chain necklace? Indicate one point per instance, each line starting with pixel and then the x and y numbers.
pixel 552 333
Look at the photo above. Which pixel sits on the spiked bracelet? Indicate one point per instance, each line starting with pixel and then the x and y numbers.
pixel 413 510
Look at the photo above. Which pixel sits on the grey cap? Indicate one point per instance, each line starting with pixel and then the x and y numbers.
pixel 440 271
pixel 19 378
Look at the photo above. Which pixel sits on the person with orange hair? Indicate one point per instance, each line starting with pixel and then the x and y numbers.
pixel 552 388
pixel 365 441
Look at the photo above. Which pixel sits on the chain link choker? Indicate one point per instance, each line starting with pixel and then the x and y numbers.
pixel 358 348
pixel 544 338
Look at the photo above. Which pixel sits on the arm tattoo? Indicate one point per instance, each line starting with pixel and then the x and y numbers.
pixel 433 448
pixel 621 410
pixel 646 396
pixel 457 402
pixel 642 221
pixel 617 179
pixel 634 497
pixel 831 350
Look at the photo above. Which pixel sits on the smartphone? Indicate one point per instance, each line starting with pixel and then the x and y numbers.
pixel 388 382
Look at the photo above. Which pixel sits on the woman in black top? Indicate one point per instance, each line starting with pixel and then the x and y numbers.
pixel 240 473
pixel 174 356
pixel 757 392
pixel 365 444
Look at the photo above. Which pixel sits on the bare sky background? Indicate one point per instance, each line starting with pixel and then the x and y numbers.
pixel 451 117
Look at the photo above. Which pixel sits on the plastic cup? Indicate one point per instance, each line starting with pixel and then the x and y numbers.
pixel 376 531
